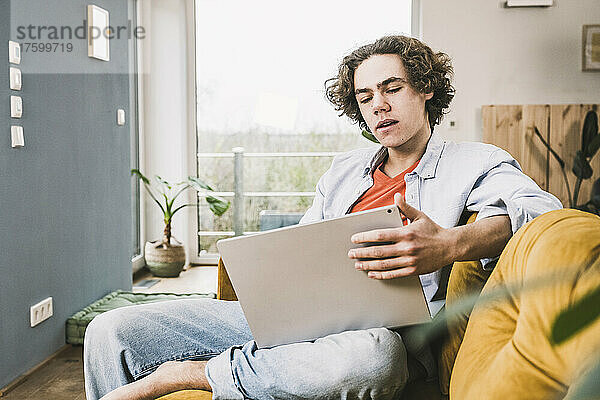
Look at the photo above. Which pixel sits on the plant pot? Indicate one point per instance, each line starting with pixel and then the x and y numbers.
pixel 164 262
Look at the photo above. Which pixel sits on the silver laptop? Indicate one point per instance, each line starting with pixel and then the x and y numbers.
pixel 297 283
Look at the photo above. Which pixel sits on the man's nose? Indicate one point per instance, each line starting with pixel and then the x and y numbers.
pixel 380 104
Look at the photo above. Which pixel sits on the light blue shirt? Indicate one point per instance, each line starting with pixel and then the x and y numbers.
pixel 450 178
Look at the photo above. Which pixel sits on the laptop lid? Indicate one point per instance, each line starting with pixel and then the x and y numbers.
pixel 297 283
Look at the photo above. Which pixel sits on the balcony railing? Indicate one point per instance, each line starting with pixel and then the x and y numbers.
pixel 238 194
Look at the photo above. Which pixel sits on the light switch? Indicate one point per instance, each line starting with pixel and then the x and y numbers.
pixel 15 79
pixel 14 52
pixel 120 117
pixel 16 106
pixel 16 134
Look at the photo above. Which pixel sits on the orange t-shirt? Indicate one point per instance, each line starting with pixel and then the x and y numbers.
pixel 383 190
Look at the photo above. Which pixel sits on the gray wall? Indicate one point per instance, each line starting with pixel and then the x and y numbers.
pixel 65 204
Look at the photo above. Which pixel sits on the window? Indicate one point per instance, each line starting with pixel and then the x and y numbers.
pixel 260 73
pixel 137 258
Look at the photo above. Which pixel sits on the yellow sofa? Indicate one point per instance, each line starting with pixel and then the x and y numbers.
pixel 505 353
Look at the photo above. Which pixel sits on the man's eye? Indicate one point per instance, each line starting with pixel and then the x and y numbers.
pixel 393 90
pixel 365 100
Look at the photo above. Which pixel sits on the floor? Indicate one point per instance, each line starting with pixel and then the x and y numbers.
pixel 192 280
pixel 61 378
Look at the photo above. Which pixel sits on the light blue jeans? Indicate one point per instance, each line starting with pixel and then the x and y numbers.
pixel 129 343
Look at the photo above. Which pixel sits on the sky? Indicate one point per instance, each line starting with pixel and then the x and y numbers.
pixel 262 64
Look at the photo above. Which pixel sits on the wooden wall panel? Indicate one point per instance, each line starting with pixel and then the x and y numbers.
pixel 565 138
pixel 533 153
pixel 510 127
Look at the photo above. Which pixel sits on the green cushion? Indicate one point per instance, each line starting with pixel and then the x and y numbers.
pixel 77 324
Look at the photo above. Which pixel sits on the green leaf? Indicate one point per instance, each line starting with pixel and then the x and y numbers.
pixel 593 147
pixel 148 187
pixel 217 205
pixel 577 317
pixel 180 207
pixel 369 136
pixel 162 182
pixel 140 175
pixel 589 132
pixel 581 166
pixel 186 186
pixel 198 184
pixel 588 386
pixel 168 205
pixel 595 195
pixel 556 156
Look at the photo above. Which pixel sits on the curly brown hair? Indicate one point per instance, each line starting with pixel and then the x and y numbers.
pixel 427 72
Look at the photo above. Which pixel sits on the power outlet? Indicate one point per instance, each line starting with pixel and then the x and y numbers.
pixel 41 311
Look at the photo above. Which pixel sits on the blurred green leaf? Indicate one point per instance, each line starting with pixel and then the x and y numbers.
pixel 437 327
pixel 589 133
pixel 369 136
pixel 430 332
pixel 588 386
pixel 576 317
pixel 581 166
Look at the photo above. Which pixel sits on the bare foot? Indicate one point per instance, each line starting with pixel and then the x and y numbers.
pixel 168 378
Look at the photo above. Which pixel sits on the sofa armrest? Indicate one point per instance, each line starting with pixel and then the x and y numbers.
pixel 225 289
pixel 506 353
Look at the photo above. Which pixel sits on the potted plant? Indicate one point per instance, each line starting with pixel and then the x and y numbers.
pixel 166 257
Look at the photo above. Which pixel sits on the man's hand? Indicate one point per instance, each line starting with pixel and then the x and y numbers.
pixel 168 377
pixel 418 248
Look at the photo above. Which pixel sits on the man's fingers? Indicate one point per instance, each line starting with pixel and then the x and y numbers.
pixel 396 273
pixel 386 264
pixel 406 209
pixel 378 235
pixel 381 251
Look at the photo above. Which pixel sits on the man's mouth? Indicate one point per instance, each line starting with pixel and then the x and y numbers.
pixel 382 125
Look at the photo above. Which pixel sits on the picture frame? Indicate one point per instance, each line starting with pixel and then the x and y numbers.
pixel 590 48
pixel 98 33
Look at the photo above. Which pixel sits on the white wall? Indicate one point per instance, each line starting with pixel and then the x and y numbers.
pixel 510 56
pixel 166 117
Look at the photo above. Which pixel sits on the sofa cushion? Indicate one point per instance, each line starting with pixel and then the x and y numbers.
pixel 188 395
pixel 77 324
pixel 506 353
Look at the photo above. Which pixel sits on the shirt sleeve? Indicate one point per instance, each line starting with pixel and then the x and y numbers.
pixel 503 189
pixel 315 212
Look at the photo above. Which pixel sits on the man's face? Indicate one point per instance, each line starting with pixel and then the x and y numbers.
pixel 392 109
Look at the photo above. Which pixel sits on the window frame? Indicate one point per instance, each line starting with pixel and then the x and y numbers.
pixel 136 135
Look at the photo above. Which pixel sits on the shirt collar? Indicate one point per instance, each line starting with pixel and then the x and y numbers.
pixel 426 168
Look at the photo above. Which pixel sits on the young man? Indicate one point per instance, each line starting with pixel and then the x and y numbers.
pixel 398 89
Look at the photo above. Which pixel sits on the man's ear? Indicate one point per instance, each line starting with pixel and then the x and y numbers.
pixel 428 96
